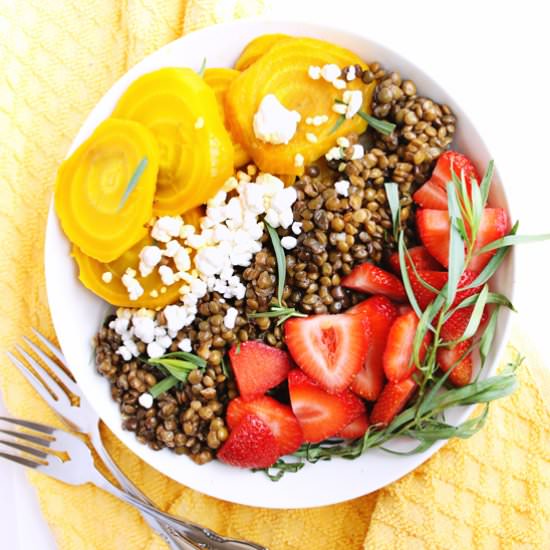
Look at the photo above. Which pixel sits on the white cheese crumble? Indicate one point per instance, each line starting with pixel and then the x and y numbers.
pixel 288 242
pixel 155 350
pixel 335 153
pixel 314 72
pixel 149 257
pixel 167 275
pixel 166 227
pixel 230 318
pixel 273 122
pixel 358 152
pixel 342 142
pixel 134 288
pixel 351 74
pixel 298 160
pixel 107 277
pixel 330 72
pixel 185 345
pixel 353 100
pixel 146 400
pixel 199 123
pixel 340 108
pixel 339 84
pixel 297 228
pixel 311 137
pixel 342 187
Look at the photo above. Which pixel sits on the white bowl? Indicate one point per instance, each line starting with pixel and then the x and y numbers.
pixel 77 313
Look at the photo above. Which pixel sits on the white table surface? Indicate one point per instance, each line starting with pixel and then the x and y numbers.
pixel 493 57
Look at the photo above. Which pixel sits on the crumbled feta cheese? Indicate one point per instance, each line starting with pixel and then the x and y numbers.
pixel 199 123
pixel 164 341
pixel 358 152
pixel 340 108
pixel 131 346
pixel 218 199
pixel 124 313
pixel 272 218
pixel 166 227
pixel 317 120
pixel 284 199
pixel 273 122
pixel 288 242
pixel 144 329
pixel 175 317
pixel 354 101
pixel 154 350
pixel 185 345
pixel 335 153
pixel 120 325
pixel 297 228
pixel 314 72
pixel 186 231
pixel 230 184
pixel 146 400
pixel 182 260
pixel 149 257
pixel 167 275
pixel 171 249
pixel 298 160
pixel 311 137
pixel 339 84
pixel 351 74
pixel 230 318
pixel 107 277
pixel 198 288
pixel 342 187
pixel 330 72
pixel 286 218
pixel 342 142
pixel 135 290
pixel 210 260
pixel 124 352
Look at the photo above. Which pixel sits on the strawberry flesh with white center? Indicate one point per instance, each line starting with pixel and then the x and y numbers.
pixel 392 400
pixel 371 279
pixel 458 358
pixel 356 428
pixel 420 257
pixel 331 349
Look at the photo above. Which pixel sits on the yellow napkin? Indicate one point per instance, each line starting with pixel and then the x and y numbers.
pixel 58 59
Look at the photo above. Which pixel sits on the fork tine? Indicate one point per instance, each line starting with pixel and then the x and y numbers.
pixel 25 448
pixel 33 380
pixel 28 437
pixel 28 424
pixel 21 460
pixel 61 372
pixel 51 346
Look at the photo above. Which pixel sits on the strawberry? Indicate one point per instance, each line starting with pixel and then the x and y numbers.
pixel 319 413
pixel 399 347
pixel 329 348
pixel 372 280
pixel 420 258
pixel 393 398
pixel 380 314
pixel 460 165
pixel 431 195
pixel 455 326
pixel 258 367
pixel 434 227
pixel 355 429
pixel 250 445
pixel 462 372
pixel 280 419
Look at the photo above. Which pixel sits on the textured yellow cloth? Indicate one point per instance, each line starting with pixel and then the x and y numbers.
pixel 58 58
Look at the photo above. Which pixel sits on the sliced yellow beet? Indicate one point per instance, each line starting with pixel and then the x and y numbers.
pixel 196 154
pixel 104 190
pixel 91 273
pixel 258 47
pixel 219 80
pixel 283 71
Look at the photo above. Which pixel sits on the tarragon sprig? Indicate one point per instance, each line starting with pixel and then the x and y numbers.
pixel 278 309
pixel 176 366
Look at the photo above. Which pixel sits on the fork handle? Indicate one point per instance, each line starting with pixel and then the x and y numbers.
pixel 193 534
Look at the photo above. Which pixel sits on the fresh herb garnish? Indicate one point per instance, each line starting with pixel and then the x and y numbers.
pixel 163 386
pixel 133 182
pixel 278 309
pixel 339 121
pixel 200 72
pixel 382 126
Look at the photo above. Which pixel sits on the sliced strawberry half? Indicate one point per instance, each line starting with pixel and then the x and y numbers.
pixel 432 196
pixel 380 313
pixel 356 428
pixel 454 327
pixel 420 257
pixel 371 279
pixel 258 367
pixel 449 357
pixel 321 414
pixel 392 400
pixel 329 348
pixel 434 227
pixel 280 419
pixel 460 164
pixel 399 347
pixel 250 445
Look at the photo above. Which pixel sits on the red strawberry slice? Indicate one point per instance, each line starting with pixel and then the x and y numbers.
pixel 455 326
pixel 329 348
pixel 420 258
pixel 372 280
pixel 459 164
pixel 355 429
pixel 380 314
pixel 258 367
pixel 280 419
pixel 432 196
pixel 399 347
pixel 448 357
pixel 319 413
pixel 434 227
pixel 250 445
pixel 393 398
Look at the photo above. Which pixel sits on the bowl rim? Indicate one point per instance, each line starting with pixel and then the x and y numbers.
pixel 318 29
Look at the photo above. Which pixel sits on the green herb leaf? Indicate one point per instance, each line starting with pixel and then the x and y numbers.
pixel 163 386
pixel 456 246
pixel 405 275
pixel 477 313
pixel 133 182
pixel 512 240
pixel 176 367
pixel 200 72
pixel 392 193
pixel 485 184
pixel 382 126
pixel 281 262
pixel 186 356
pixel 339 121
pixel 488 336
